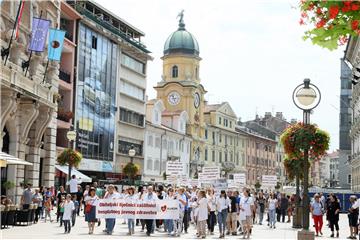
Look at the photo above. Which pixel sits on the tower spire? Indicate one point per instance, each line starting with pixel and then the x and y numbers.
pixel 181 20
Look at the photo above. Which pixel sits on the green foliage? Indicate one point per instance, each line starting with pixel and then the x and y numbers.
pixel 257 185
pixel 70 156
pixel 131 170
pixel 331 22
pixel 8 185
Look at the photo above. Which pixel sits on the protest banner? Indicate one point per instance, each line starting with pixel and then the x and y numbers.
pixel 220 184
pixel 175 168
pixel 123 208
pixel 232 185
pixel 203 179
pixel 193 183
pixel 211 173
pixel 268 180
pixel 240 179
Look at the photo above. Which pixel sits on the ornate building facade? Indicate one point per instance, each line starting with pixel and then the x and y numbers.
pixel 28 103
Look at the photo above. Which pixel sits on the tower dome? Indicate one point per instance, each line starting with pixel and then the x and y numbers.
pixel 181 41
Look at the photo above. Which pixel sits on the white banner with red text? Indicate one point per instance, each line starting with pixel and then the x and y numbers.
pixel 125 208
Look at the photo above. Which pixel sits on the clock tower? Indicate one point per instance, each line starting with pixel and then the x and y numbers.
pixel 180 87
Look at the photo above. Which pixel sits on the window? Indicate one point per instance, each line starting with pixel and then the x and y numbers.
pixel 231 124
pixel 226 157
pixel 149 164
pixel 225 122
pixel 132 90
pixel 175 72
pixel 150 141
pixel 213 156
pixel 157 142
pixel 206 154
pixel 219 120
pixel 206 134
pixel 226 139
pixel 94 42
pixel 213 137
pixel 220 156
pixel 124 147
pixel 133 64
pixel 349 179
pixel 157 164
pixel 131 117
pixel 164 144
pixel 231 157
pixel 220 137
pixel 237 159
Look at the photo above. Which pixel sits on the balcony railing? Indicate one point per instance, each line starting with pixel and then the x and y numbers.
pixel 110 27
pixel 65 76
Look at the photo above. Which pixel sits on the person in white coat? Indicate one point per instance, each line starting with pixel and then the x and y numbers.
pixel 202 214
pixel 69 207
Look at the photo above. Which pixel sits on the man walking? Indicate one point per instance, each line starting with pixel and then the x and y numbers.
pixel 149 197
pixel 27 197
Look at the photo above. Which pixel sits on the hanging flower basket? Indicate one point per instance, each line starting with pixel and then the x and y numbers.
pixel 331 22
pixel 70 156
pixel 131 170
pixel 294 167
pixel 298 137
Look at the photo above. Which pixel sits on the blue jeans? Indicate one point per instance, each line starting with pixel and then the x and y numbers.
pixel 222 220
pixel 169 225
pixel 272 218
pixel 131 225
pixel 110 224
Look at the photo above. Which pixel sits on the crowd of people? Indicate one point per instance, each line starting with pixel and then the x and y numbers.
pixel 235 212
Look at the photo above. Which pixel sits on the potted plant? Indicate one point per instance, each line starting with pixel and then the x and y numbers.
pixel 69 157
pixel 8 185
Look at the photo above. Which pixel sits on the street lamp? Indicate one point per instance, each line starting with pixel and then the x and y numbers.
pixel 306 97
pixel 71 136
pixel 132 153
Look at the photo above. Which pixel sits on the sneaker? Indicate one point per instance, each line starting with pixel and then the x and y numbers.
pixel 332 235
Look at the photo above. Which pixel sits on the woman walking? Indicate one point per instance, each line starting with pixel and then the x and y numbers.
pixel 317 214
pixel 333 211
pixel 169 223
pixel 222 204
pixel 202 214
pixel 69 207
pixel 212 208
pixel 353 214
pixel 272 206
pixel 246 211
pixel 131 197
pixel 91 201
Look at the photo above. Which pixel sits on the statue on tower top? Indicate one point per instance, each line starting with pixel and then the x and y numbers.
pixel 181 20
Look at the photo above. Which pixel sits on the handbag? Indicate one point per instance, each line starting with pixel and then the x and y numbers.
pixel 88 207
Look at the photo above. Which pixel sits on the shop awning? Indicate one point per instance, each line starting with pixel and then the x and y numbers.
pixel 6 159
pixel 79 175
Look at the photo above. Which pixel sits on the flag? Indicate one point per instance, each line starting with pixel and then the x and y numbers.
pixel 56 42
pixel 39 32
pixel 18 18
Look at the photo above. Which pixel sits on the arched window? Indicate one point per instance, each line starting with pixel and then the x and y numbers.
pixel 175 71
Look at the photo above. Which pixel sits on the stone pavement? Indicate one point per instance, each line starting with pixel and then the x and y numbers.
pixel 49 230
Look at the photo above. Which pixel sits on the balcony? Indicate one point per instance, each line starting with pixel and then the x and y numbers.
pixel 65 76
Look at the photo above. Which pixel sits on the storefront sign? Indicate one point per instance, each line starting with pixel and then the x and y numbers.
pixel 123 208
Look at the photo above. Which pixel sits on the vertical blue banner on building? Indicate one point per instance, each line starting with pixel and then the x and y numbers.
pixel 56 42
pixel 39 32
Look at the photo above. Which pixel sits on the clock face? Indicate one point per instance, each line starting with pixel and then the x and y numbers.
pixel 197 100
pixel 174 98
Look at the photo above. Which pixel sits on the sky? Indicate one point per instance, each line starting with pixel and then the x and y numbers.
pixel 253 54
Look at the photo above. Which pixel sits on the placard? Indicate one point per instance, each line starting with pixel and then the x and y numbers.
pixel 175 168
pixel 211 173
pixel 269 180
pixel 240 178
pixel 123 208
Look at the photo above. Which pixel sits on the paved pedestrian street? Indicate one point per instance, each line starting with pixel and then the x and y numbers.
pixel 80 231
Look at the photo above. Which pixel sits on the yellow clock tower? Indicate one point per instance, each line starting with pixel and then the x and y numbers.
pixel 180 88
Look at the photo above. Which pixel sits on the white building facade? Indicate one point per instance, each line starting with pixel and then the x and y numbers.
pixel 165 140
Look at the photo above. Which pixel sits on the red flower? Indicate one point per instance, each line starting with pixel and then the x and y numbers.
pixel 304 15
pixel 333 11
pixel 355 25
pixel 354 7
pixel 321 23
pixel 311 6
pixel 301 22
pixel 346 8
pixel 343 40
pixel 318 11
pixel 347 3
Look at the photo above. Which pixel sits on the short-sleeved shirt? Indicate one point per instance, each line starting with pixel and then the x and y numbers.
pixel 91 200
pixel 317 208
pixel 38 199
pixel 246 203
pixel 272 203
pixel 181 205
pixel 28 196
pixel 356 205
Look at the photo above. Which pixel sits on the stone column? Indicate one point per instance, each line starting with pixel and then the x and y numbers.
pixel 50 156
pixel 32 172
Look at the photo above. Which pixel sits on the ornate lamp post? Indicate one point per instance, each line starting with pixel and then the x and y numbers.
pixel 306 97
pixel 71 136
